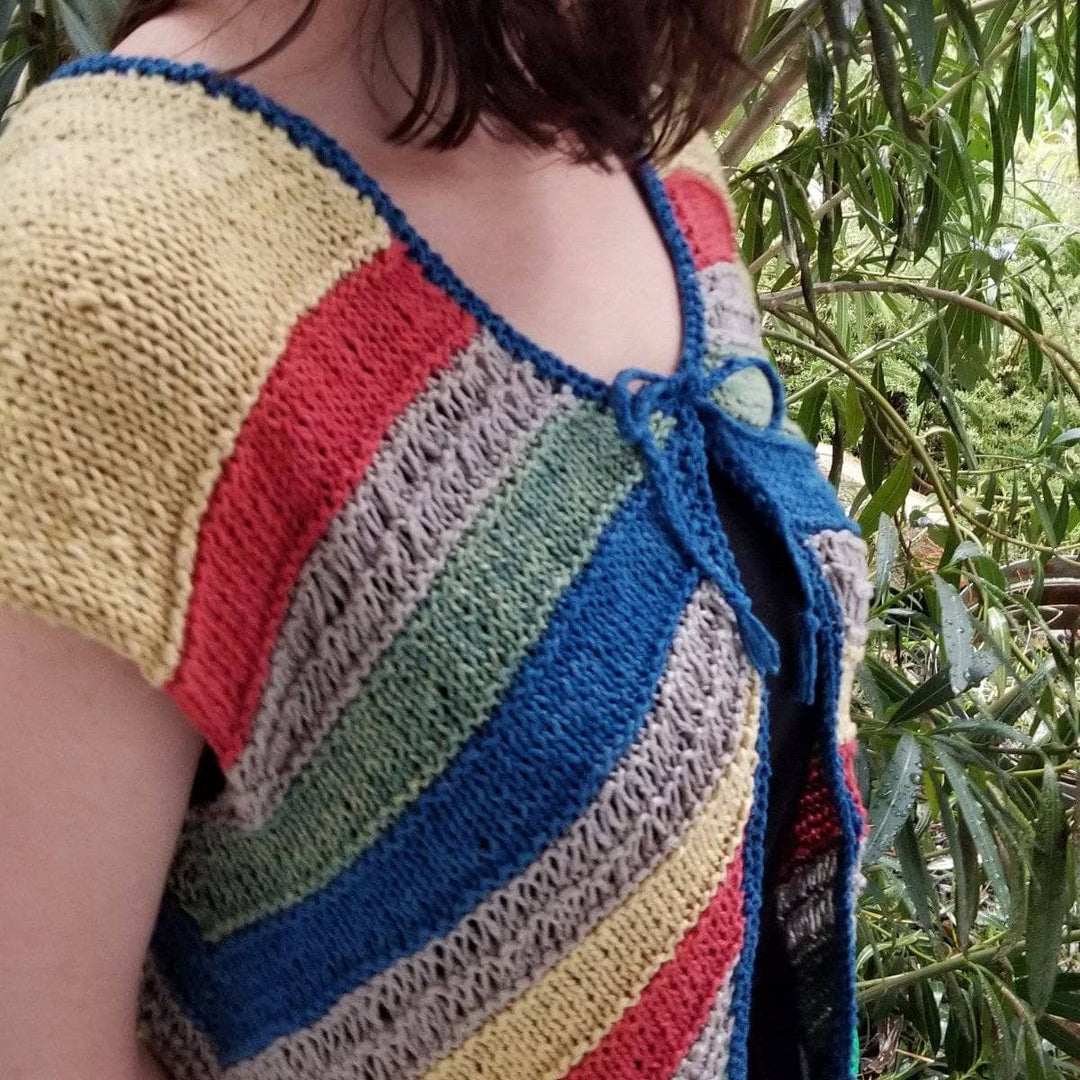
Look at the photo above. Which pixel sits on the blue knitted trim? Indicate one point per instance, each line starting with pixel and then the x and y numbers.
pixel 521 779
pixel 752 884
pixel 302 132
pixel 847 1010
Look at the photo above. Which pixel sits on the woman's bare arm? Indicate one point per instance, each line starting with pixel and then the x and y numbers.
pixel 97 767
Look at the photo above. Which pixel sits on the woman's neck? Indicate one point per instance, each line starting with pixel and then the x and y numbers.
pixel 351 69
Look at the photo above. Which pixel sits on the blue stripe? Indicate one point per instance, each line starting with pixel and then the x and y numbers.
pixel 779 471
pixel 575 707
pixel 302 132
pixel 753 884
pixel 847 1010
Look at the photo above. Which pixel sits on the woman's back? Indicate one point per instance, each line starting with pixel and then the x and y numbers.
pixel 453 611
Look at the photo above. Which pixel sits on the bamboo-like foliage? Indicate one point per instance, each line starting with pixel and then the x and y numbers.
pixel 905 259
pixel 899 199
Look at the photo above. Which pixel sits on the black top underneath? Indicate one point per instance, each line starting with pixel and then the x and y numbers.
pixel 769 577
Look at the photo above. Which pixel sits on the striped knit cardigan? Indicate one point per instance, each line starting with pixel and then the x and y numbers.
pixel 458 621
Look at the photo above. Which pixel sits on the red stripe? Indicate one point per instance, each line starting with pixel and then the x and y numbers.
pixel 817 824
pixel 653 1036
pixel 350 366
pixel 847 756
pixel 704 217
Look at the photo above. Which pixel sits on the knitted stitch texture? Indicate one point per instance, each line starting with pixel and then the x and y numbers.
pixel 458 621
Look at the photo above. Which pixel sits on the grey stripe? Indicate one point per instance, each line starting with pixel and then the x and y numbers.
pixel 805 904
pixel 732 318
pixel 707 1059
pixel 441 460
pixel 734 329
pixel 184 1050
pixel 399 1023
pixel 843 560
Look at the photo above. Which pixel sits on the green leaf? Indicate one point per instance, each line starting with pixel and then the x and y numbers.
pixel 809 418
pixel 959 12
pixel 826 247
pixel 960 1043
pixel 883 49
pixel 931 694
pixel 888 550
pixel 1034 1056
pixel 1029 77
pixel 923 34
pixel 976 822
pixel 10 70
pixel 843 43
pixel 819 83
pixel 933 199
pixel 1065 1001
pixel 1011 706
pixel 787 228
pixel 917 883
pixel 1062 1036
pixel 960 159
pixel 89 23
pixel 928 1016
pixel 1076 85
pixel 966 873
pixel 882 184
pixel 753 243
pixel 1010 103
pixel 888 498
pixel 1000 163
pixel 957 633
pixel 1048 893
pixel 1001 1031
pixel 893 797
pixel 7 14
pixel 854 417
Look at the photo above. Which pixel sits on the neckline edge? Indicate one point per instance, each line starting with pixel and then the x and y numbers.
pixel 332 155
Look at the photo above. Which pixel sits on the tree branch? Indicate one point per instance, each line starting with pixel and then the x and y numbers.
pixel 1061 357
pixel 788 38
pixel 765 111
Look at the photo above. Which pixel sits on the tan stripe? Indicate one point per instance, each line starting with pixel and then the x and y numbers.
pixel 559 1019
pixel 846 729
pixel 158 245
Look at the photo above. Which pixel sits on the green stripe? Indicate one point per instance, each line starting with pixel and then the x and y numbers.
pixel 434 686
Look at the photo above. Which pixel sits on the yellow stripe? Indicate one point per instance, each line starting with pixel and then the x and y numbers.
pixel 559 1019
pixel 700 156
pixel 158 245
pixel 845 723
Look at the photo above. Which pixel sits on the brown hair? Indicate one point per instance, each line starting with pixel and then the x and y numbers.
pixel 629 78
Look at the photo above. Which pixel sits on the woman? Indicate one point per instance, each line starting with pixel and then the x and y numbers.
pixel 383 678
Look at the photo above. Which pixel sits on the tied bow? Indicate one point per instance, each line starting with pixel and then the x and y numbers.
pixel 678 469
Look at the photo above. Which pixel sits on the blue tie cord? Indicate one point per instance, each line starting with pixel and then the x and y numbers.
pixel 704 430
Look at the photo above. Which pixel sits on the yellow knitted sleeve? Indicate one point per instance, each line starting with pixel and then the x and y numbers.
pixel 700 156
pixel 157 246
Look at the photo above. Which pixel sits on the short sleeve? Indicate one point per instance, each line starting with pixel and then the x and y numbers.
pixel 159 246
pixel 106 423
